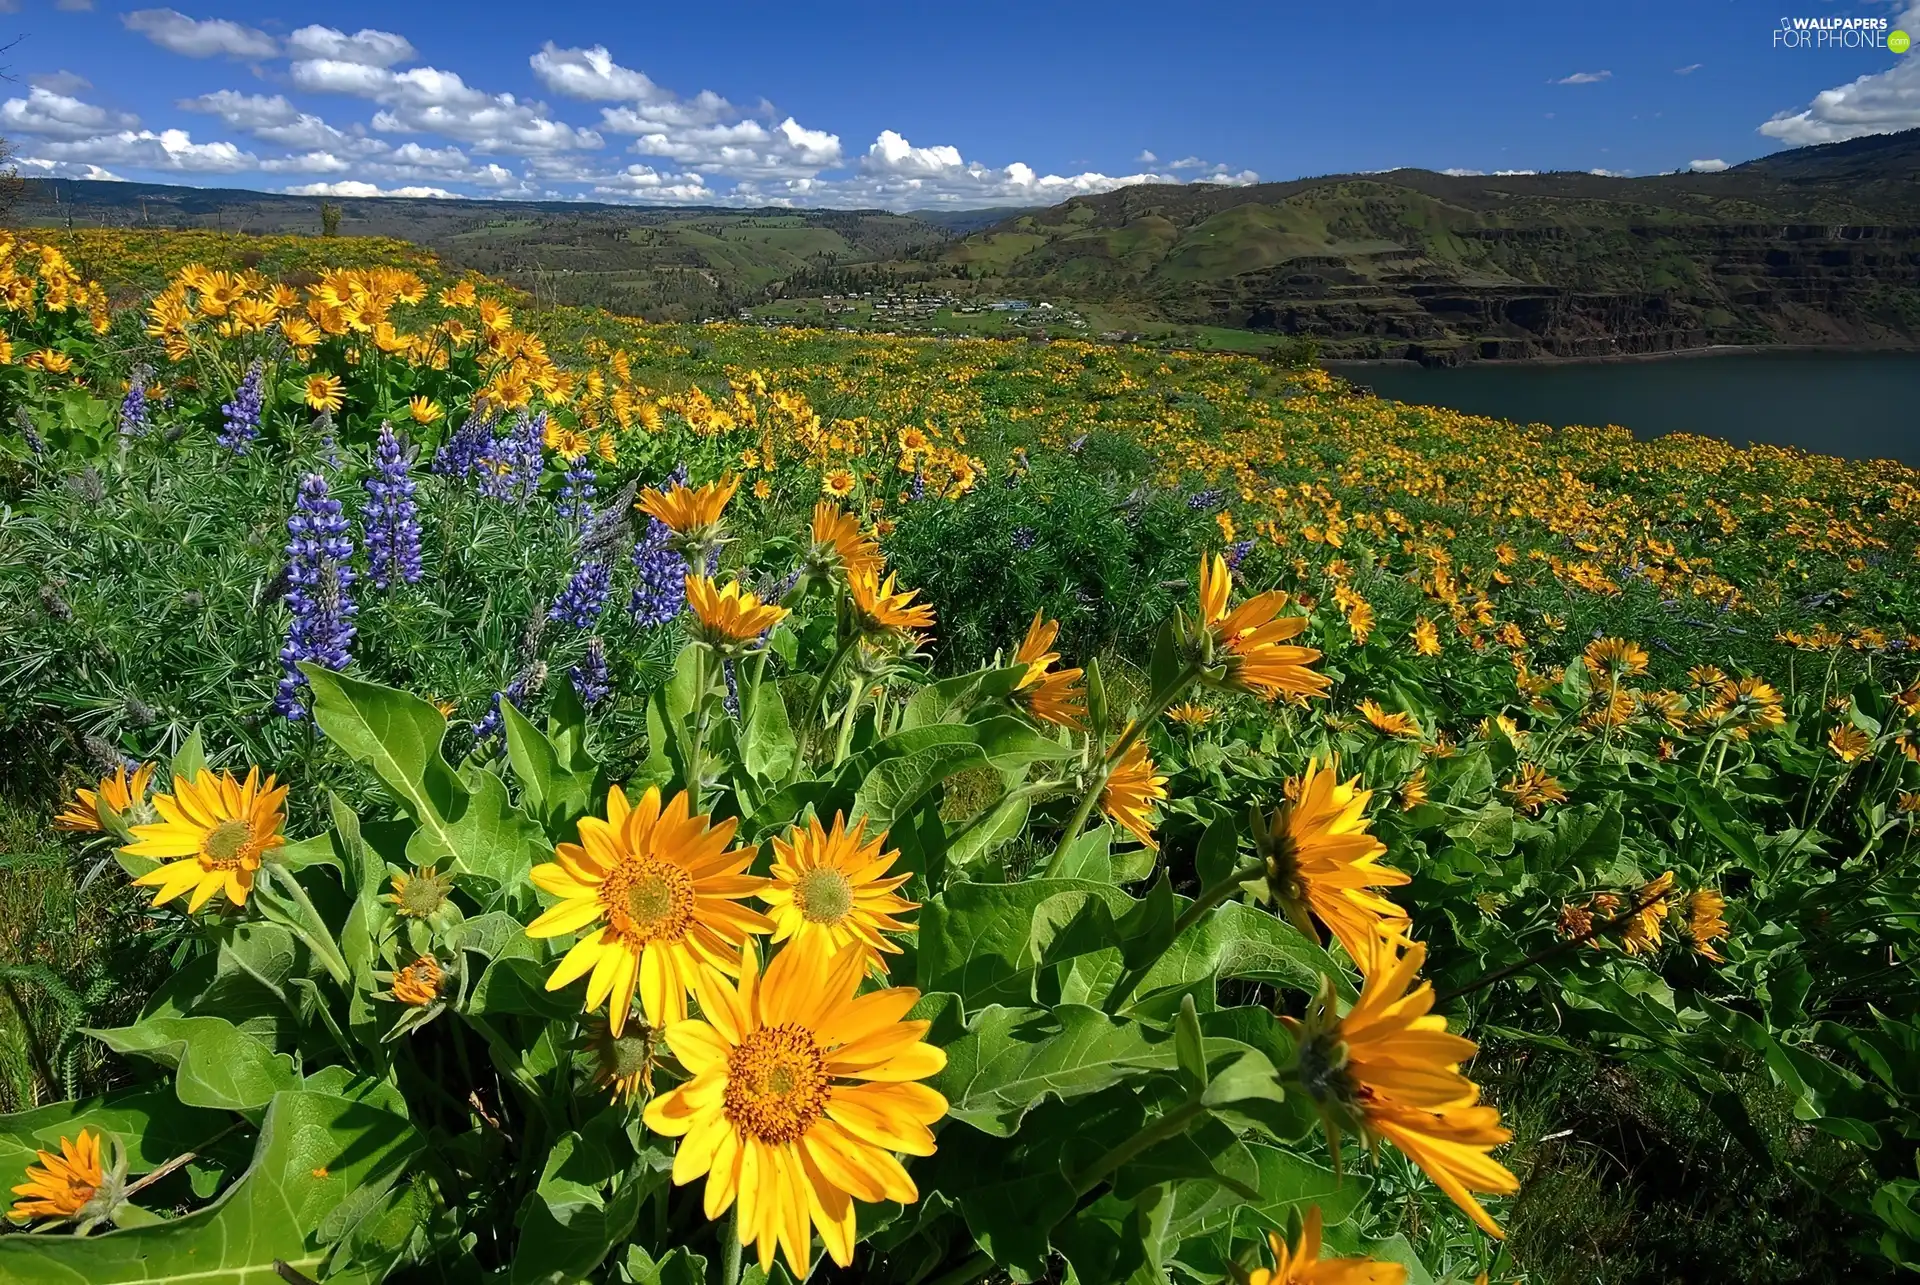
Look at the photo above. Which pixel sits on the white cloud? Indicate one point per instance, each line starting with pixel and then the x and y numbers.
pixel 1459 173
pixel 1512 173
pixel 200 38
pixel 645 182
pixel 41 167
pixel 366 46
pixel 1883 102
pixel 51 115
pixel 1606 173
pixel 170 149
pixel 1689 69
pixel 355 187
pixel 308 163
pixel 1145 158
pixel 1188 163
pixel 271 118
pixel 1713 166
pixel 426 100
pixel 61 82
pixel 1584 78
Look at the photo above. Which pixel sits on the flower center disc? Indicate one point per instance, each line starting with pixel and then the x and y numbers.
pixel 650 900
pixel 776 1083
pixel 825 895
pixel 226 845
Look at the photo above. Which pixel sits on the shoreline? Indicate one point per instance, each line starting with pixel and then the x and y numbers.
pixel 1608 359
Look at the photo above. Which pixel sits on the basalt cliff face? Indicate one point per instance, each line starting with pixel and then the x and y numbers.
pixel 1820 246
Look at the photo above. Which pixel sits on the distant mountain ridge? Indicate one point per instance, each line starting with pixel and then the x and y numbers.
pixel 1818 245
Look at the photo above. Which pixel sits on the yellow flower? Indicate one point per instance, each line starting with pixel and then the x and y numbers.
pixel 570 443
pixel 1641 935
pixel 1704 924
pixel 60 1186
pixel 688 510
pixel 1849 743
pixel 800 1094
pixel 1390 1069
pixel 54 363
pixel 831 890
pixel 1302 1265
pixel 661 884
pixel 1615 658
pixel 838 539
pixel 120 794
pixel 1131 790
pixel 1189 715
pixel 1414 792
pixel 762 489
pixel 730 616
pixel 424 410
pixel 623 1064
pixel 325 392
pixel 1321 858
pixel 1426 638
pixel 213 834
pixel 418 984
pixel 1394 724
pixel 838 483
pixel 1531 787
pixel 882 608
pixel 420 894
pixel 1247 638
pixel 1052 695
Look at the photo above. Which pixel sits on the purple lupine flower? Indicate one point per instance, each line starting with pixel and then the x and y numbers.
pixel 240 418
pixel 577 493
pixel 460 455
pixel 585 596
pixel 510 469
pixel 590 680
pixel 661 593
pixel 918 491
pixel 391 518
pixel 35 443
pixel 1023 538
pixel 318 576
pixel 1078 444
pixel 1201 501
pixel 1237 553
pixel 133 407
pixel 530 679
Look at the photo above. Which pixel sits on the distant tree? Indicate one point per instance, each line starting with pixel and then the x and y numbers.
pixel 10 185
pixel 329 219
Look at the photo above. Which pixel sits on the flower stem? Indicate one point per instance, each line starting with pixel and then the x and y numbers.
pixel 1169 1125
pixel 321 944
pixel 1203 904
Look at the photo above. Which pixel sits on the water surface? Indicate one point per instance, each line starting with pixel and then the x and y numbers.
pixel 1861 405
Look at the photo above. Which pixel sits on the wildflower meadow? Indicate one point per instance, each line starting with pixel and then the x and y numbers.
pixel 514 794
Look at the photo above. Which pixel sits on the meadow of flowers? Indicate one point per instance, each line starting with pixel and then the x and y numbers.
pixel 598 801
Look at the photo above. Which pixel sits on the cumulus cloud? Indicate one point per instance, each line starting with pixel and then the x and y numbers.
pixel 1713 166
pixel 61 82
pixel 170 149
pixel 1584 78
pixel 271 118
pixel 646 183
pixel 42 167
pixel 1460 173
pixel 1606 173
pixel 427 100
pixel 1883 102
pixel 368 47
pixel 1145 158
pixel 51 115
pixel 200 38
pixel 356 187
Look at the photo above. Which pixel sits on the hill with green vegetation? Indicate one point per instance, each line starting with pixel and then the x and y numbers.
pixel 668 264
pixel 1811 246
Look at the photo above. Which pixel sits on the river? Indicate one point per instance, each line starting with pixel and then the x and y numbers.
pixel 1860 405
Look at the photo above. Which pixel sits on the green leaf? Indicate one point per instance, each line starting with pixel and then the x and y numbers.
pixel 190 760
pixel 152 1123
pixel 1218 855
pixel 896 785
pixel 215 1063
pixel 1188 1046
pixel 1096 700
pixel 1238 940
pixel 1009 1060
pixel 771 749
pixel 535 764
pixel 984 942
pixel 1090 856
pixel 1488 832
pixel 314 1151
pixel 399 736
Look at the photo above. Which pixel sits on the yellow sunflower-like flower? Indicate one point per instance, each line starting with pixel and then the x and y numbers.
pixel 831 890
pixel 421 894
pixel 1702 924
pixel 623 1064
pixel 1301 1264
pixel 839 541
pixel 731 616
pixel 1133 787
pixel 1247 639
pixel 1848 743
pixel 120 793
pixel 1425 638
pixel 214 831
pixel 325 392
pixel 689 510
pixel 838 483
pixel 1641 935
pixel 1389 1069
pixel 1321 858
pixel 1190 715
pixel 419 983
pixel 424 410
pixel 661 886
pixel 800 1094
pixel 61 1185
pixel 1531 788
pixel 883 609
pixel 1398 723
pixel 1049 694
pixel 1414 792
pixel 1615 658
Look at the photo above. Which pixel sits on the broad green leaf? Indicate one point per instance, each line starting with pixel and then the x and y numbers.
pixel 399 736
pixel 1239 940
pixel 190 760
pixel 215 1063
pixel 152 1123
pixel 769 748
pixel 985 941
pixel 896 785
pixel 1010 1060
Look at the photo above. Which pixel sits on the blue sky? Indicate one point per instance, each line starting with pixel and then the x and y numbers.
pixel 920 106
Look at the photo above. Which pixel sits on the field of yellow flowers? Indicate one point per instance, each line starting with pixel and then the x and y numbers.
pixel 559 798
